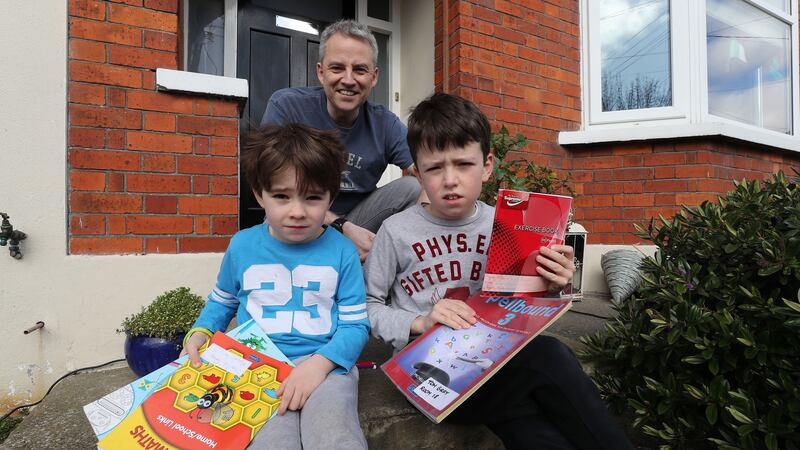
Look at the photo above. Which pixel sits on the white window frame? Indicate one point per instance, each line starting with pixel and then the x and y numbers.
pixel 689 114
pixel 393 47
pixel 229 56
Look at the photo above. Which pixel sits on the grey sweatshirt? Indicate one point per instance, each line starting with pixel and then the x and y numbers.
pixel 415 258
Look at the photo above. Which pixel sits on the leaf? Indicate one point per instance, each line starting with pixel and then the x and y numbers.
pixel 772 441
pixel 746 342
pixel 738 415
pixel 711 414
pixel 794 305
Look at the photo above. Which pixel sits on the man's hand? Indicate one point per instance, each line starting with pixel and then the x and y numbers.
pixel 192 347
pixel 454 313
pixel 361 237
pixel 556 266
pixel 302 381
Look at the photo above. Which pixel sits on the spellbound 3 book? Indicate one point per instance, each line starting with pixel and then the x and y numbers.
pixel 443 367
pixel 220 405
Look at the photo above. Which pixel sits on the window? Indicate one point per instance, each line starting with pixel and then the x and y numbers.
pixel 209 28
pixel 377 15
pixel 678 62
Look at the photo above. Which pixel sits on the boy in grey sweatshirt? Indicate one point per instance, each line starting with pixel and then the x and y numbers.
pixel 541 398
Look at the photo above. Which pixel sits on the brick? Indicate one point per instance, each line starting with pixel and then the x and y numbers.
pixel 159 142
pixel 157 183
pixel 202 244
pixel 86 137
pixel 202 225
pixel 695 198
pixel 664 159
pixel 104 32
pixel 665 199
pixel 224 146
pixel 200 184
pixel 105 246
pixel 665 186
pixel 115 97
pixel 161 41
pixel 87 8
pixel 634 200
pixel 601 162
pixel 162 5
pixel 208 205
pixel 224 186
pixel 159 122
pixel 87 181
pixel 602 188
pixel 105 203
pixel 224 108
pixel 116 225
pixel 144 18
pixel 87 93
pixel 160 204
pixel 664 172
pixel 202 107
pixel 201 146
pixel 116 182
pixel 161 245
pixel 693 172
pixel 104 74
pixel 142 58
pixel 224 225
pixel 104 117
pixel 159 225
pixel 87 225
pixel 149 80
pixel 207 165
pixel 602 213
pixel 208 126
pixel 158 163
pixel 128 2
pixel 103 159
pixel 157 101
pixel 87 50
pixel 115 139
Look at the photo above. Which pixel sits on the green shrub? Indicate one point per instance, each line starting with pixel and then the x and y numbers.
pixel 705 353
pixel 519 174
pixel 170 314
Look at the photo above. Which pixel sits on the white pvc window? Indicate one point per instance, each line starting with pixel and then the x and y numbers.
pixel 673 62
pixel 209 30
pixel 382 17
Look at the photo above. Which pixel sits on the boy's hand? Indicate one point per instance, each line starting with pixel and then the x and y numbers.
pixel 556 266
pixel 361 237
pixel 192 347
pixel 454 313
pixel 302 381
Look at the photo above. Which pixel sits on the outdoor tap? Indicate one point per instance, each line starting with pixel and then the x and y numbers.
pixel 11 236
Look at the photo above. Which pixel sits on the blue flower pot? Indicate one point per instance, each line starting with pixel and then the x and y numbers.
pixel 146 354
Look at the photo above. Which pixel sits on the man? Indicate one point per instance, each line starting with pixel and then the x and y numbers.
pixel 373 136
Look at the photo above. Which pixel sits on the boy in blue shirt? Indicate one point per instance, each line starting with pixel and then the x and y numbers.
pixel 302 283
pixel 541 399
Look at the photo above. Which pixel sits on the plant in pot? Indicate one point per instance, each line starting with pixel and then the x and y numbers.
pixel 154 335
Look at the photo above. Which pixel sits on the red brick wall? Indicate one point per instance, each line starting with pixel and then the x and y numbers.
pixel 149 172
pixel 520 62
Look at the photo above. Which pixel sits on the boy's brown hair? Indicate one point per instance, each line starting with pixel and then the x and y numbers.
pixel 318 157
pixel 442 120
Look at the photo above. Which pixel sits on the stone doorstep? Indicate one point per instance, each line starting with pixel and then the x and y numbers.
pixel 388 420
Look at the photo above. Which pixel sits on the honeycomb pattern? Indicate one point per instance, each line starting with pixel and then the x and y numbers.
pixel 253 402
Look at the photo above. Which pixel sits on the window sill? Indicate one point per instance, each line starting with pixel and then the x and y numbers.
pixel 636 132
pixel 200 83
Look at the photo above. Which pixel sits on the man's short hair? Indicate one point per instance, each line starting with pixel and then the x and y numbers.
pixel 352 29
pixel 442 120
pixel 318 157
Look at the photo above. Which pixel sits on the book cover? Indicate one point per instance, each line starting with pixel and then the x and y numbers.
pixel 523 223
pixel 443 367
pixel 220 405
pixel 109 411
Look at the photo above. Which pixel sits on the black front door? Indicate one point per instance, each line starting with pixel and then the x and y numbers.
pixel 273 57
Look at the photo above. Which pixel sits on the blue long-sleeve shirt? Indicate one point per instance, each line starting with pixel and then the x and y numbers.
pixel 309 298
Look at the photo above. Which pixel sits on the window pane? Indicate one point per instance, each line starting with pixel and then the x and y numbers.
pixel 380 9
pixel 380 93
pixel 782 5
pixel 206 33
pixel 749 79
pixel 635 54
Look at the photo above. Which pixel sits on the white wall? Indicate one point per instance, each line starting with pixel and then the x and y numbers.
pixel 417 53
pixel 81 299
